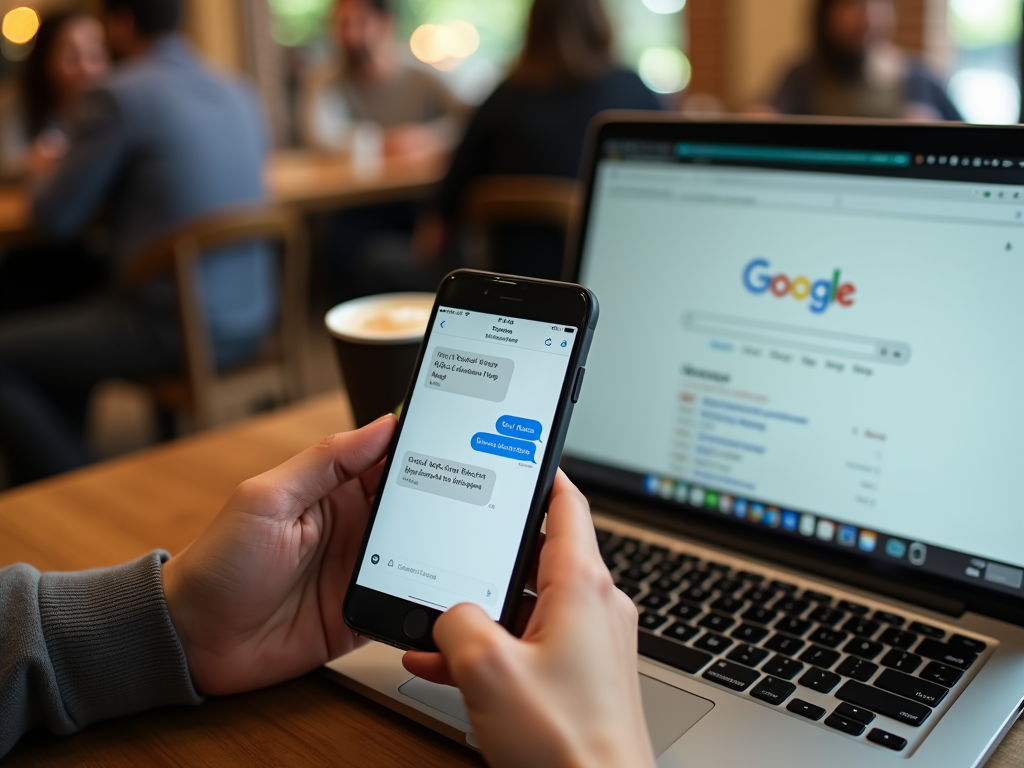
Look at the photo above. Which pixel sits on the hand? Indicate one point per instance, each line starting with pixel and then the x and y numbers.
pixel 411 140
pixel 257 598
pixel 47 152
pixel 567 693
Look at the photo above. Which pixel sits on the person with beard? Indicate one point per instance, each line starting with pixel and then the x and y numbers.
pixel 855 69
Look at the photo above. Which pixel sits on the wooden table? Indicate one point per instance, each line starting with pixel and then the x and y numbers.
pixel 307 181
pixel 162 498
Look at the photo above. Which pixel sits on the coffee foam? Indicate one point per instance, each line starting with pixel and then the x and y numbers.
pixel 382 319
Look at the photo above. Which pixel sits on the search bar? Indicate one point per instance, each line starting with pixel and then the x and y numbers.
pixel 463 586
pixel 795 337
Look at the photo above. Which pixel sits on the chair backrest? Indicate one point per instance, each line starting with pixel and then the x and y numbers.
pixel 495 201
pixel 181 251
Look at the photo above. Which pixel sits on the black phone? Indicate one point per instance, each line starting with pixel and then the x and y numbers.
pixel 466 482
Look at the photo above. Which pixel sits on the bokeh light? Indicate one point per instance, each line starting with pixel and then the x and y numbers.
pixel 986 96
pixel 444 46
pixel 665 69
pixel 665 6
pixel 20 25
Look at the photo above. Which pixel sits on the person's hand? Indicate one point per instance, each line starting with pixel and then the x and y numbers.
pixel 412 140
pixel 567 693
pixel 257 598
pixel 47 152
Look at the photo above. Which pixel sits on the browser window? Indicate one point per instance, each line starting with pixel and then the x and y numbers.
pixel 832 355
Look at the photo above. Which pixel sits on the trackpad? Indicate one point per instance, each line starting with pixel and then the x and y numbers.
pixel 670 712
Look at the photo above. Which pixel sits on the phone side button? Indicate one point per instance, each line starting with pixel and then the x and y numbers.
pixel 578 385
pixel 416 624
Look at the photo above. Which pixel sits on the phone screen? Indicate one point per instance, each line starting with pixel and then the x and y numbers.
pixel 454 505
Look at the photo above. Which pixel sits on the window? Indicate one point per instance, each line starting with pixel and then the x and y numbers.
pixel 986 37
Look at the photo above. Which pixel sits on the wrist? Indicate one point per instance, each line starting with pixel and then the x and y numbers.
pixel 174 602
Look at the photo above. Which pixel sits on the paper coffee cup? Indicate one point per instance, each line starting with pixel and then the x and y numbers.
pixel 377 339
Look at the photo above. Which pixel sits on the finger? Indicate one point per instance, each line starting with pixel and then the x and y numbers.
pixel 525 610
pixel 317 471
pixel 531 580
pixel 473 646
pixel 371 480
pixel 429 666
pixel 569 516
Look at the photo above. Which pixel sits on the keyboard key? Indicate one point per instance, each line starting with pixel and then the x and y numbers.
pixel 654 601
pixel 901 660
pixel 886 739
pixel 713 566
pixel 755 578
pixel 861 627
pixel 747 655
pixel 819 680
pixel 695 595
pixel 634 574
pixel 947 654
pixel 851 712
pixel 749 633
pixel 851 607
pixel 780 666
pixel 772 690
pixel 732 676
pixel 759 595
pixel 827 637
pixel 666 584
pixel 820 657
pixel 826 616
pixel 672 653
pixel 816 597
pixel 727 586
pixel 889 618
pixel 941 674
pixel 927 630
pixel 844 724
pixel 785 644
pixel 793 626
pixel 759 615
pixel 631 590
pixel 717 622
pixel 727 605
pixel 898 638
pixel 686 611
pixel 783 586
pixel 884 703
pixel 967 643
pixel 866 649
pixel 713 643
pixel 912 687
pixel 805 709
pixel 856 668
pixel 792 606
pixel 651 621
pixel 680 631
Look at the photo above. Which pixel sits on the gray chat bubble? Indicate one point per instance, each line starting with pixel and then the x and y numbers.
pixel 468 373
pixel 462 482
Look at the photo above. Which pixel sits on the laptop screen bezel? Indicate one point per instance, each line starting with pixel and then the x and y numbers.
pixel 900 581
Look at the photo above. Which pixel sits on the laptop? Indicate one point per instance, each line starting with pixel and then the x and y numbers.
pixel 800 435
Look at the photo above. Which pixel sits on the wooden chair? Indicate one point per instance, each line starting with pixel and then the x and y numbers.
pixel 502 200
pixel 203 394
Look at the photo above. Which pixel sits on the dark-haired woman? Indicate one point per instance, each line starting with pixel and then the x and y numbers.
pixel 535 124
pixel 856 71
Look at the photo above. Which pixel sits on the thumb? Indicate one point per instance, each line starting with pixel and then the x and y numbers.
pixel 317 471
pixel 475 648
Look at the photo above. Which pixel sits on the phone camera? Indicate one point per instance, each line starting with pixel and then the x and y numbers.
pixel 486 291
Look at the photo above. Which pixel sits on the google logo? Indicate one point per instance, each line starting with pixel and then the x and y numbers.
pixel 821 293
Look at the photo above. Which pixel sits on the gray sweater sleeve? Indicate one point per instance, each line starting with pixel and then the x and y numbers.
pixel 76 648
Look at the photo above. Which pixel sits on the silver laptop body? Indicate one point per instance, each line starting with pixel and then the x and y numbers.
pixel 801 437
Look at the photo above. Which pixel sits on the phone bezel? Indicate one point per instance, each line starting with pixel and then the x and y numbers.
pixel 379 615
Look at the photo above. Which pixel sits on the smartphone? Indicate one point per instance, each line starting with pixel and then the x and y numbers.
pixel 466 482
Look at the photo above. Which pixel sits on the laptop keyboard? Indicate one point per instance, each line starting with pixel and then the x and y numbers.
pixel 858 669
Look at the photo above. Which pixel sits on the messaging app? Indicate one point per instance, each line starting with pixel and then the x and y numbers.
pixel 454 505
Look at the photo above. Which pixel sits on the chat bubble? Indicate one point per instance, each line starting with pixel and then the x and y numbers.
pixel 467 373
pixel 513 426
pixel 508 447
pixel 461 482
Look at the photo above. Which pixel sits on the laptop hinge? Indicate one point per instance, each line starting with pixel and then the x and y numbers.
pixel 629 513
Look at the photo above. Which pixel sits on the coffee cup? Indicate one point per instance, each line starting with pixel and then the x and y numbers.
pixel 377 339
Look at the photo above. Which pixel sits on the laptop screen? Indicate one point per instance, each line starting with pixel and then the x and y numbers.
pixel 824 342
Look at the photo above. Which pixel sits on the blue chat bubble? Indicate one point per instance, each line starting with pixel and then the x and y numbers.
pixel 513 426
pixel 508 447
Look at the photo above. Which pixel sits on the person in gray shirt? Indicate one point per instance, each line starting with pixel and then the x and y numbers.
pixel 161 141
pixel 257 600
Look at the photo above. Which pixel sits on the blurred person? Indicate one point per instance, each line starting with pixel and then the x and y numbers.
pixel 535 124
pixel 856 71
pixel 257 599
pixel 375 83
pixel 160 141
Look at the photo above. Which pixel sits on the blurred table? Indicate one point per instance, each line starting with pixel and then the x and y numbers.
pixel 163 498
pixel 307 181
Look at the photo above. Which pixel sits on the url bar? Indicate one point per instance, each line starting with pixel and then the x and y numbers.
pixel 795 337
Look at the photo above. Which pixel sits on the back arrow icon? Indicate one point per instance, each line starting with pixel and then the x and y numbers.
pixel 443 322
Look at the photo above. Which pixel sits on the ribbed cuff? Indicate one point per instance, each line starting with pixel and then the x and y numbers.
pixel 111 642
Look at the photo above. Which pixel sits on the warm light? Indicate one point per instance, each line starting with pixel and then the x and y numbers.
pixel 444 45
pixel 20 25
pixel 664 70
pixel 665 6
